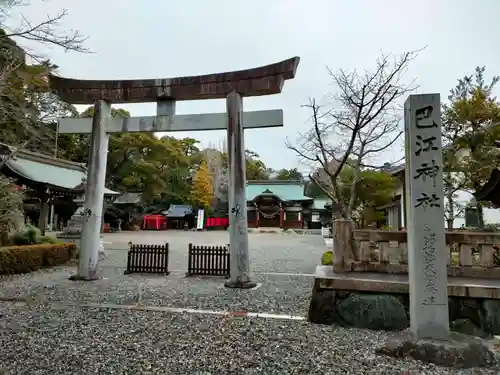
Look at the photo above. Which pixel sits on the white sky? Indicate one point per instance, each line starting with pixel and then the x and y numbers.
pixel 161 39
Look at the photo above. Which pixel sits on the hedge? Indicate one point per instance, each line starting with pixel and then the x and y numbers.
pixel 22 259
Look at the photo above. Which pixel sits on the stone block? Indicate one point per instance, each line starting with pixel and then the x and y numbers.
pixel 490 316
pixel 372 311
pixel 467 327
pixel 460 351
pixel 322 307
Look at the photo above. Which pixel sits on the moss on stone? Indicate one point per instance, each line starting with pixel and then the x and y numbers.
pixel 373 311
pixel 327 258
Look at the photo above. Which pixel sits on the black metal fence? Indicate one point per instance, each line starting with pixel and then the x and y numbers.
pixel 147 259
pixel 208 261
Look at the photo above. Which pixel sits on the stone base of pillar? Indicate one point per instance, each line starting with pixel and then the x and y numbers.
pixel 240 285
pixel 73 233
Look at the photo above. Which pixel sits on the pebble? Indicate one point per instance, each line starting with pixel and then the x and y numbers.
pixel 43 340
pixel 38 337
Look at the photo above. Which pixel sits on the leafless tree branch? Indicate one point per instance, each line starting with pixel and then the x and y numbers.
pixel 362 120
pixel 46 32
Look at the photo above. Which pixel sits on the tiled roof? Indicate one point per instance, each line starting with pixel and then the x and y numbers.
pixel 128 198
pixel 47 170
pixel 178 210
pixel 285 190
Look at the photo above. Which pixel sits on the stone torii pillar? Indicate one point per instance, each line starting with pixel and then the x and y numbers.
pixel 232 86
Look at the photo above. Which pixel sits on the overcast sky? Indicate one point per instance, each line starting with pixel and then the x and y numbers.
pixel 161 39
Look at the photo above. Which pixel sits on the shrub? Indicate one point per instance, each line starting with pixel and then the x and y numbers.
pixel 31 236
pixel 22 259
pixel 47 239
pixel 11 209
pixel 327 258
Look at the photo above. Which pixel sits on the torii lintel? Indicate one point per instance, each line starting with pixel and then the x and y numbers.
pixel 264 80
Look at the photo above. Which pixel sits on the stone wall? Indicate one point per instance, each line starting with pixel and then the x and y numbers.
pixel 472 316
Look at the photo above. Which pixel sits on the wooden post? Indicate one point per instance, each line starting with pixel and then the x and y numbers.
pixel 238 223
pixel 44 213
pixel 342 246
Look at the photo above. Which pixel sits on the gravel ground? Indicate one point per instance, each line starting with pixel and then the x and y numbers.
pixel 47 340
pixel 277 294
pixel 44 337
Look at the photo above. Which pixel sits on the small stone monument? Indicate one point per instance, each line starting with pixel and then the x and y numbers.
pixel 119 223
pixel 73 231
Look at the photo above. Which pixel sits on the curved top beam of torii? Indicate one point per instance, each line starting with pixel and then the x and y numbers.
pixel 264 80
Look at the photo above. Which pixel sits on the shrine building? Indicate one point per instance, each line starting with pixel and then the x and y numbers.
pixel 282 204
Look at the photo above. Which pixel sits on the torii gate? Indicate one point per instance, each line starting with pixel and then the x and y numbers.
pixel 265 80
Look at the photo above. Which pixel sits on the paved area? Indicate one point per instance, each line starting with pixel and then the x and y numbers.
pixel 135 324
pixel 283 253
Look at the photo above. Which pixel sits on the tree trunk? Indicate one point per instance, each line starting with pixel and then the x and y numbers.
pixel 449 224
pixel 44 211
pixel 480 218
pixel 450 214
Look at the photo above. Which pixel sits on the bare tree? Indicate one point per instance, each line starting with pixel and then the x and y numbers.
pixel 362 120
pixel 48 31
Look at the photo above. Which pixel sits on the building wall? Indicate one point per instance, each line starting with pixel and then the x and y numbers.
pixel 491 215
pixel 298 215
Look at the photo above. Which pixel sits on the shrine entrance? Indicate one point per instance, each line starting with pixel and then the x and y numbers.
pixel 232 86
pixel 270 211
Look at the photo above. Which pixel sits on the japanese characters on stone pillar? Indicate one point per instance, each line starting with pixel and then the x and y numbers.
pixel 426 232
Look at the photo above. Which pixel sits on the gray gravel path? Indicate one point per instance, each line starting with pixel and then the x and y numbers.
pixel 277 294
pixel 44 337
pixel 45 340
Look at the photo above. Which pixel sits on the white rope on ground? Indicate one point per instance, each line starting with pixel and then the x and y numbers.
pixel 143 307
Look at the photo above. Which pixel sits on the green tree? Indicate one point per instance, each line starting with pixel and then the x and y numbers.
pixel 158 168
pixel 11 209
pixel 374 189
pixel 471 122
pixel 28 111
pixel 202 188
pixel 27 107
pixel 255 168
pixel 76 147
pixel 289 174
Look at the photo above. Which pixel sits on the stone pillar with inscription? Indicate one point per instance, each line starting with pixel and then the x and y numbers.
pixel 426 232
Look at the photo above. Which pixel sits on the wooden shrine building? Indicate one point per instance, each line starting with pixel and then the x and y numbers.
pixel 282 204
pixel 51 183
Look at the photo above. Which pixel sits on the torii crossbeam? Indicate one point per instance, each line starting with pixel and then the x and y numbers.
pixel 265 80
